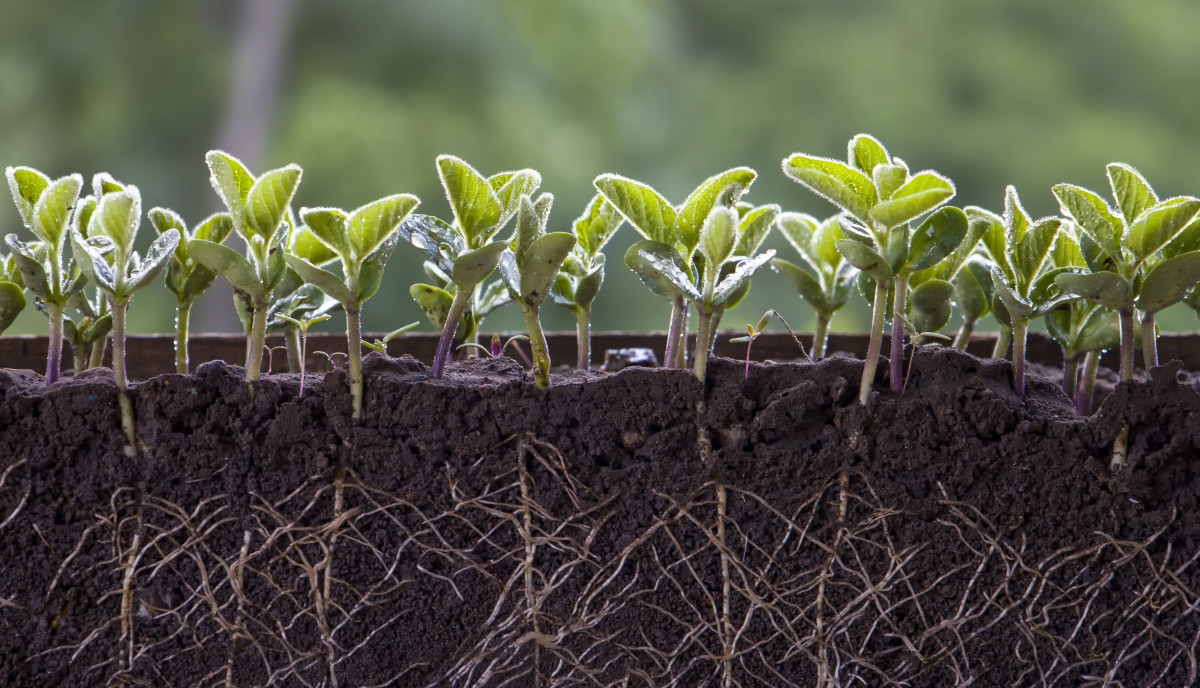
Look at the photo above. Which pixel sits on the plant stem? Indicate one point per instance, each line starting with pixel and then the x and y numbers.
pixel 119 310
pixel 703 328
pixel 675 331
pixel 354 351
pixel 97 356
pixel 54 354
pixel 964 335
pixel 1070 373
pixel 254 345
pixel 1020 328
pixel 583 338
pixel 875 344
pixel 1003 339
pixel 896 358
pixel 537 343
pixel 821 335
pixel 80 353
pixel 183 310
pixel 1149 342
pixel 1087 383
pixel 295 354
pixel 1126 314
pixel 462 297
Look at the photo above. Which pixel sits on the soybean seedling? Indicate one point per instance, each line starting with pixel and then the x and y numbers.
pixel 825 280
pixel 465 251
pixel 295 298
pixel 302 326
pixel 882 197
pixel 186 278
pixel 1142 256
pixel 663 259
pixel 88 333
pixel 117 217
pixel 529 269
pixel 496 349
pixel 363 241
pixel 45 206
pixel 436 298
pixel 973 295
pixel 12 292
pixel 380 345
pixel 258 207
pixel 754 331
pixel 1022 274
pixel 582 275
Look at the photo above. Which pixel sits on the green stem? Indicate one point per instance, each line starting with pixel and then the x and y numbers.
pixel 1127 345
pixel 54 353
pixel 119 310
pixel 583 338
pixel 183 311
pixel 682 349
pixel 98 347
pixel 254 345
pixel 675 331
pixel 1020 328
pixel 537 343
pixel 963 338
pixel 462 297
pixel 292 343
pixel 703 337
pixel 1149 342
pixel 354 350
pixel 1003 339
pixel 878 315
pixel 1070 381
pixel 896 358
pixel 1087 383
pixel 821 335
pixel 79 352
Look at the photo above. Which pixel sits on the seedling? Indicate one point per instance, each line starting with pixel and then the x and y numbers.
pixel 258 207
pixel 436 298
pixel 496 350
pixel 186 278
pixel 826 279
pixel 1142 256
pixel 756 330
pixel 466 251
pixel 117 217
pixel 582 275
pixel 294 298
pixel 380 345
pixel 881 198
pixel 88 334
pixel 663 260
pixel 302 326
pixel 973 295
pixel 529 269
pixel 363 241
pixel 45 206
pixel 1023 274
pixel 12 292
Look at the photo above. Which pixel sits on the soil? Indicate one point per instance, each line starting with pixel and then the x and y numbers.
pixel 634 528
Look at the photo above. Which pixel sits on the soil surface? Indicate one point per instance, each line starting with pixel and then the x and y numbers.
pixel 618 529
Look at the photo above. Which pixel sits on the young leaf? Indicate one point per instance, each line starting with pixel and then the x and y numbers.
pixel 1159 225
pixel 718 237
pixel 835 181
pixel 161 250
pixel 1105 288
pixel 324 280
pixel 27 186
pixel 91 261
pixel 269 198
pixel 937 237
pixel 1093 215
pixel 642 207
pixel 116 217
pixel 727 292
pixel 434 301
pixel 232 182
pixel 1033 249
pixel 510 186
pixel 473 267
pixel 800 230
pixel 1132 191
pixel 753 227
pixel 661 268
pixel 33 271
pixel 805 284
pixel 329 226
pixel 597 224
pixel 865 259
pixel 216 227
pixel 888 178
pixel 1169 282
pixel 589 286
pixel 541 263
pixel 929 305
pixel 371 224
pixel 973 289
pixel 52 212
pixel 164 219
pixel 866 152
pixel 228 263
pixel 922 193
pixel 1016 305
pixel 12 302
pixel 476 208
pixel 723 189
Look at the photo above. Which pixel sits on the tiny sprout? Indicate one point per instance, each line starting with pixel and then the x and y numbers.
pixel 380 345
pixel 495 350
pixel 757 329
pixel 302 325
pixel 825 280
pixel 582 274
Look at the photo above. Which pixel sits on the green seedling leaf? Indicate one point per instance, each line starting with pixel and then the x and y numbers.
pixel 229 264
pixel 373 223
pixel 328 225
pixel 865 259
pixel 52 212
pixel 898 248
pixel 510 186
pixel 1169 282
pixel 33 271
pixel 12 302
pixel 1016 305
pixel 865 152
pixel 530 226
pixel 588 287
pixel 433 237
pixel 324 280
pixel 541 264
pixel 718 237
pixel 642 207
pixel 1158 226
pixel 216 227
pixel 853 229
pixel 1032 251
pixel 477 210
pixel 306 245
pixel 117 217
pixel 232 182
pixel 805 284
pixel 930 305
pixel 1093 215
pixel 268 201
pixel 973 289
pixel 434 301
pixel 164 219
pixel 103 183
pixel 597 224
pixel 473 267
pixel 936 238
pixel 924 192
pixel 82 216
pixel 888 178
pixel 661 269
pixel 1132 191
pixel 162 250
pixel 723 189
pixel 370 273
pixel 91 261
pixel 27 186
pixel 753 228
pixel 835 181
pixel 727 292
pixel 800 230
pixel 1105 288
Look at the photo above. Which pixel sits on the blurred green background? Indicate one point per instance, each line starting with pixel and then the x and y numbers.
pixel 365 93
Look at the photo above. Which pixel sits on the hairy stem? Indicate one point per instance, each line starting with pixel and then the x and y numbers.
pixel 875 344
pixel 54 353
pixel 682 349
pixel 80 353
pixel 1070 373
pixel 291 342
pixel 1003 339
pixel 821 335
pixel 964 335
pixel 97 356
pixel 1020 328
pixel 254 345
pixel 119 310
pixel 583 338
pixel 354 351
pixel 1087 383
pixel 703 340
pixel 183 310
pixel 462 297
pixel 1149 342
pixel 1127 343
pixel 675 331
pixel 896 358
pixel 537 343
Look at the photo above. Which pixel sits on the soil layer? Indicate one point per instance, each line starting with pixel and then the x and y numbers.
pixel 627 529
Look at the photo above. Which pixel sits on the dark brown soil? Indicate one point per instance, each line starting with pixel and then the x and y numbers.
pixel 627 529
